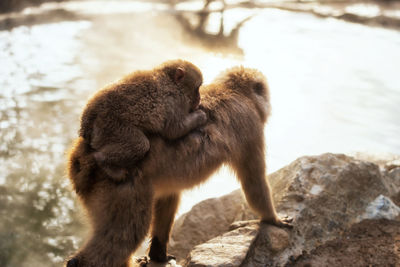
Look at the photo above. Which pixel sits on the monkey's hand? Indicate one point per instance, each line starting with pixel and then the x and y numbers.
pixel 189 123
pixel 200 117
pixel 285 221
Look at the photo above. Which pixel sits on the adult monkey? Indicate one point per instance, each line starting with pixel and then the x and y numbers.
pixel 237 107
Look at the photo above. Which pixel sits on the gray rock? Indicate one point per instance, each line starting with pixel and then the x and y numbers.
pixel 390 167
pixel 324 194
pixel 206 220
pixel 381 208
pixel 227 250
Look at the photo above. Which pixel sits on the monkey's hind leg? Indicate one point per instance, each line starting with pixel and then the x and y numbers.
pixel 163 217
pixel 121 216
pixel 121 151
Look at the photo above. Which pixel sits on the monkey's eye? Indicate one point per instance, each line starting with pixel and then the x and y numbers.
pixel 258 88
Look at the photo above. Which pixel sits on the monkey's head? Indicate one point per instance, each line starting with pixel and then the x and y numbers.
pixel 250 83
pixel 187 78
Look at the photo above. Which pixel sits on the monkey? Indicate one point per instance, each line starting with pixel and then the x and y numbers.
pixel 237 107
pixel 117 118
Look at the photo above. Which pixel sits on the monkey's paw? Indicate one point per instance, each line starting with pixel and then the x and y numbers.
pixel 201 117
pixel 73 262
pixel 116 174
pixel 142 261
pixel 145 261
pixel 161 259
pixel 171 257
pixel 285 221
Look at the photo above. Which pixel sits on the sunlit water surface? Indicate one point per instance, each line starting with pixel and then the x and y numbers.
pixel 335 86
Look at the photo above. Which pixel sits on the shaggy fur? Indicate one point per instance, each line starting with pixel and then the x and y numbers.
pixel 117 119
pixel 237 106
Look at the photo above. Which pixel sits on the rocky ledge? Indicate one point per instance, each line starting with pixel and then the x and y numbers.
pixel 345 212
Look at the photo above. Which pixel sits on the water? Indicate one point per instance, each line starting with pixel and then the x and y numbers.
pixel 334 85
pixel 334 88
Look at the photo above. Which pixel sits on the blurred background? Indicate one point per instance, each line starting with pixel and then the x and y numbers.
pixel 333 69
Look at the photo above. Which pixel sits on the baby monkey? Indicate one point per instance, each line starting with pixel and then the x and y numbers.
pixel 161 101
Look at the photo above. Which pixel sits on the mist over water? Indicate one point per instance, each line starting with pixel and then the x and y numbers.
pixel 334 86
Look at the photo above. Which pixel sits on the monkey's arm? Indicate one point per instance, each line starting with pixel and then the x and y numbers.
pixel 251 173
pixel 181 127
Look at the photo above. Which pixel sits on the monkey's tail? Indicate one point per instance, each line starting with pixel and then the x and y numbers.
pixel 81 166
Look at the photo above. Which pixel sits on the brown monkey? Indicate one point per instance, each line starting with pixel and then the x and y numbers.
pixel 163 101
pixel 237 106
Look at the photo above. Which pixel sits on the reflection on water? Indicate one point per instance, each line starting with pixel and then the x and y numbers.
pixel 108 7
pixel 334 87
pixel 38 101
pixel 38 73
pixel 210 28
pixel 364 10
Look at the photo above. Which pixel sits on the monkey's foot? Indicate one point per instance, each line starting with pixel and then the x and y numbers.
pixel 72 262
pixel 285 221
pixel 117 174
pixel 170 257
pixel 146 261
pixel 158 251
pixel 142 261
pixel 162 259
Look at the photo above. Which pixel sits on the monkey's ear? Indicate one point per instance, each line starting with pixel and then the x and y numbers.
pixel 179 75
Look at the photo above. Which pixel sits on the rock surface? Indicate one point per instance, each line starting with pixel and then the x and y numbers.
pixel 369 243
pixel 326 195
pixel 206 220
pixel 226 250
pixel 144 261
pixel 381 208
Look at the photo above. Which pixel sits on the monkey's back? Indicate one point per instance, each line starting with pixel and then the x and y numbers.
pixel 134 101
pixel 234 128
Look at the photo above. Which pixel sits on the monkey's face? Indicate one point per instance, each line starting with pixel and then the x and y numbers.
pixel 194 99
pixel 188 79
pixel 191 89
pixel 260 97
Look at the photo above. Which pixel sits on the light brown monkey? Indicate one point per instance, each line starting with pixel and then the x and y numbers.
pixel 117 118
pixel 237 106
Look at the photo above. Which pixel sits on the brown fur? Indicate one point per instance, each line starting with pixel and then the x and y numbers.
pixel 117 119
pixel 237 106
pixel 114 210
